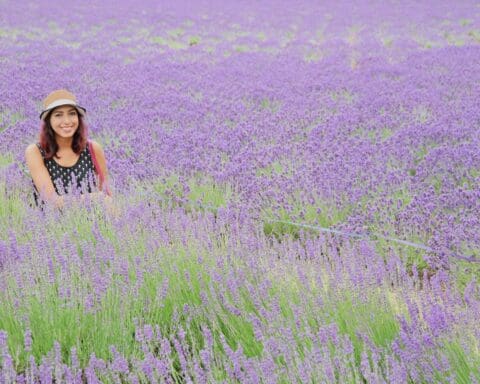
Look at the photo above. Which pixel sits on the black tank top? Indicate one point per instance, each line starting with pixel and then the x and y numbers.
pixel 79 177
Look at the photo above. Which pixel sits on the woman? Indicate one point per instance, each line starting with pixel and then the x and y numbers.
pixel 64 161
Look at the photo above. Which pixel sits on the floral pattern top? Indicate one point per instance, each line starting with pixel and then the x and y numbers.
pixel 79 177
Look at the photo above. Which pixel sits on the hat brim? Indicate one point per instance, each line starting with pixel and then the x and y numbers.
pixel 81 110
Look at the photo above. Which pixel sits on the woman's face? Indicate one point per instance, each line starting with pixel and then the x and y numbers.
pixel 64 121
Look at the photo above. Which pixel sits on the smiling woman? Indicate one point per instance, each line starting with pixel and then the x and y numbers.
pixel 64 161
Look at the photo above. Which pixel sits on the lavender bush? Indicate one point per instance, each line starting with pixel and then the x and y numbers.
pixel 222 125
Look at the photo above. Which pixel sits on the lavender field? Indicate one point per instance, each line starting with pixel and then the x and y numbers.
pixel 296 193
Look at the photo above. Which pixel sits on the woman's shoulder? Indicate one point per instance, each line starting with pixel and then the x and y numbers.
pixel 33 150
pixel 34 155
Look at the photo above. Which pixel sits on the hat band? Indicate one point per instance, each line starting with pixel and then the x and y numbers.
pixel 59 102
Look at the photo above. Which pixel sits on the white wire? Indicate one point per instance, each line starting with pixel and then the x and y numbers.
pixel 372 236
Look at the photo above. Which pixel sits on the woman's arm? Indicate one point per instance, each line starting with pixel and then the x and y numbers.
pixel 102 163
pixel 40 175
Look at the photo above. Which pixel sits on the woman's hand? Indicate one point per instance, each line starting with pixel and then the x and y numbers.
pixel 107 200
pixel 59 202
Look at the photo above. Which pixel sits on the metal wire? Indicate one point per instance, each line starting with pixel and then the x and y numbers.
pixel 373 236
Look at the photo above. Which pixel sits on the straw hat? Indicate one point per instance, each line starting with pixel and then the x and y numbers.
pixel 58 98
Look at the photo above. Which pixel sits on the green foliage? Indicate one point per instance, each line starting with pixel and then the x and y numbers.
pixel 271 105
pixel 5 159
pixel 208 195
pixel 10 117
pixel 374 314
pixel 169 186
pixel 196 194
pixel 475 34
pixel 12 206
pixel 465 271
pixel 372 317
pixel 275 168
pixel 118 103
pixel 343 95
pixel 281 222
pixel 465 364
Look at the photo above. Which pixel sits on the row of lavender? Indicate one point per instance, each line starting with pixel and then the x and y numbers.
pixel 157 295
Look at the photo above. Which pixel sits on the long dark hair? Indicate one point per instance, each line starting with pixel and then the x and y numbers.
pixel 49 144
